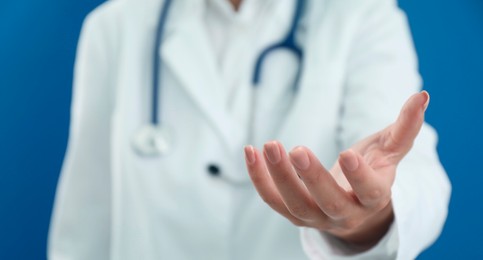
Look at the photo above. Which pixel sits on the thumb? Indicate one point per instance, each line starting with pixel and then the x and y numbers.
pixel 411 118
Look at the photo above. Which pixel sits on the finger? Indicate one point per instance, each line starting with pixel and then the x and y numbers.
pixel 294 194
pixel 403 132
pixel 264 185
pixel 371 189
pixel 329 196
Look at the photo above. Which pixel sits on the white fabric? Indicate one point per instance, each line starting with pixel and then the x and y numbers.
pixel 359 67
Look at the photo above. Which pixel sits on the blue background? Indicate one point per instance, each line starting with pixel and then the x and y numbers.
pixel 37 47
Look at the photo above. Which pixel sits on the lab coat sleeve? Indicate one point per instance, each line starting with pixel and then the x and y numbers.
pixel 80 225
pixel 382 73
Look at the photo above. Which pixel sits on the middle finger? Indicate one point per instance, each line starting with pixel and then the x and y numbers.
pixel 293 192
pixel 329 196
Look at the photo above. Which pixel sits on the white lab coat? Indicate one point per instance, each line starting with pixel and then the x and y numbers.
pixel 359 68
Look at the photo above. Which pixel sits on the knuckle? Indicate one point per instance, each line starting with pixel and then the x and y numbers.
pixel 390 142
pixel 382 203
pixel 281 178
pixel 257 179
pixel 371 196
pixel 271 201
pixel 335 208
pixel 296 222
pixel 376 198
pixel 300 211
pixel 311 178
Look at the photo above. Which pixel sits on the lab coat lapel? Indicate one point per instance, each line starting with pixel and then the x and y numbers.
pixel 187 53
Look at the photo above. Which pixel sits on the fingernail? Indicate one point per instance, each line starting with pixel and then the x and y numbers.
pixel 272 152
pixel 349 160
pixel 426 100
pixel 249 154
pixel 300 158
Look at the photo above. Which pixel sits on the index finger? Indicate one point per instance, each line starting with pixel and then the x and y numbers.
pixel 264 185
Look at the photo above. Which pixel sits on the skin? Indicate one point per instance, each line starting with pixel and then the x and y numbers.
pixel 236 4
pixel 352 200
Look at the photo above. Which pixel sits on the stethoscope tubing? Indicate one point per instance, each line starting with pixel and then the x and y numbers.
pixel 156 88
pixel 153 139
pixel 288 43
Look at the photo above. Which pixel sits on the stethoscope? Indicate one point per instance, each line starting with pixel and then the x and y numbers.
pixel 154 138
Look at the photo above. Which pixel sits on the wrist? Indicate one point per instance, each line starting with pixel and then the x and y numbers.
pixel 369 232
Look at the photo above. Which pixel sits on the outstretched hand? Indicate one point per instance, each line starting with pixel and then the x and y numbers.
pixel 352 201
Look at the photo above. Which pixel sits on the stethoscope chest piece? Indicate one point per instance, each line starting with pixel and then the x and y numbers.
pixel 152 140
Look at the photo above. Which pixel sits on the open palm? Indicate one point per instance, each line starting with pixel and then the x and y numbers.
pixel 351 201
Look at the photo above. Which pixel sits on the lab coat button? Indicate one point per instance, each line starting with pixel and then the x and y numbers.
pixel 214 170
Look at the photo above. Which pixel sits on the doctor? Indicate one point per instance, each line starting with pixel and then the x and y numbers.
pixel 168 93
